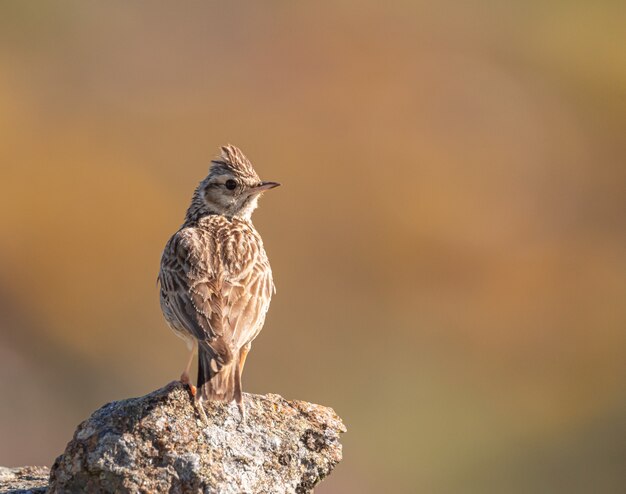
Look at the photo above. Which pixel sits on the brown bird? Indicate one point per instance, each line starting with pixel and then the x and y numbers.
pixel 216 281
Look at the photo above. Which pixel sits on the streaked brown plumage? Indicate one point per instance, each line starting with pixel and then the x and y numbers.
pixel 216 280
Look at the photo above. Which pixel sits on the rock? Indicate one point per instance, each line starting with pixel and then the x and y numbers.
pixel 157 443
pixel 23 480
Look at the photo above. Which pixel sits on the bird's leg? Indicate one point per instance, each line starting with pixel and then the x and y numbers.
pixel 184 377
pixel 243 354
pixel 238 390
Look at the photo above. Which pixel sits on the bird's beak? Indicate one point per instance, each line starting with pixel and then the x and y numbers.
pixel 263 186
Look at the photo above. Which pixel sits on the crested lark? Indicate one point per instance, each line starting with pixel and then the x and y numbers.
pixel 216 280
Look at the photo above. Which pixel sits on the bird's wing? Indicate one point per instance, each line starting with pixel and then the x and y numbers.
pixel 246 294
pixel 191 292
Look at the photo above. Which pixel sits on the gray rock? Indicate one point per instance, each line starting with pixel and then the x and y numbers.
pixel 24 480
pixel 157 443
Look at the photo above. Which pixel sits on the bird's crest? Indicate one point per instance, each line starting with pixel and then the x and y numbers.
pixel 232 159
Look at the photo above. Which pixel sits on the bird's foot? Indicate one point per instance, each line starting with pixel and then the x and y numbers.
pixel 242 413
pixel 200 407
pixel 184 378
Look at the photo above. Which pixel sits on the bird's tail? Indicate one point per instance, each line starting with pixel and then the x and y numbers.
pixel 218 373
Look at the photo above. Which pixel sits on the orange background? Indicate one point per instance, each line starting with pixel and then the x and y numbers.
pixel 448 244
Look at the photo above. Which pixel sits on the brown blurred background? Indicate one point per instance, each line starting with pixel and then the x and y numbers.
pixel 449 245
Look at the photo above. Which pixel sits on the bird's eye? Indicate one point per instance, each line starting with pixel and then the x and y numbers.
pixel 230 184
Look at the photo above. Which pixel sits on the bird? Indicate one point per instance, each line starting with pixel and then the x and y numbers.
pixel 215 278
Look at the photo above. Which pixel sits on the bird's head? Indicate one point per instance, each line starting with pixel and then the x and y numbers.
pixel 232 187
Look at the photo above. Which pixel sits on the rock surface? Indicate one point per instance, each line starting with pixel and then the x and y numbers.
pixel 157 443
pixel 23 480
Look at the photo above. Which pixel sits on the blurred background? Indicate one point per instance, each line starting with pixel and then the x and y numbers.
pixel 449 244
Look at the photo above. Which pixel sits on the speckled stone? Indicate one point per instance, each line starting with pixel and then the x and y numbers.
pixel 24 480
pixel 157 443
